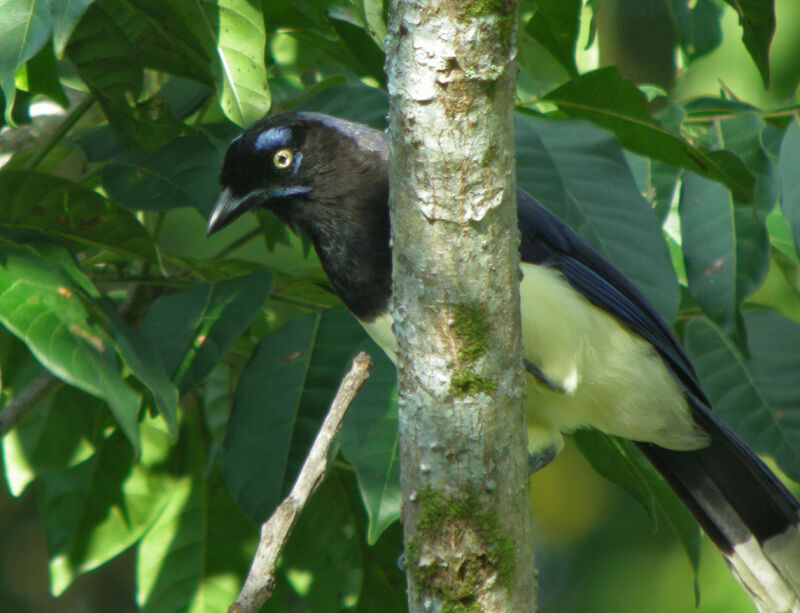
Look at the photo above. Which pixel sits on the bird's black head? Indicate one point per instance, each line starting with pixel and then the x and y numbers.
pixel 327 177
pixel 289 160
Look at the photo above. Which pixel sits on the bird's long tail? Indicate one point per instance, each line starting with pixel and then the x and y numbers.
pixel 745 510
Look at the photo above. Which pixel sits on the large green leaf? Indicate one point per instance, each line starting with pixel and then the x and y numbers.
pixel 58 207
pixel 745 134
pixel 40 76
pixel 369 442
pixel 161 37
pixel 282 396
pixel 610 101
pixel 142 360
pixel 756 396
pixel 183 173
pixel 40 303
pixel 117 82
pixel 194 556
pixel 24 29
pixel 322 559
pixel 555 25
pixel 789 163
pixel 97 509
pixel 579 173
pixel 726 249
pixel 53 436
pixel 621 463
pixel 240 39
pixel 65 15
pixel 757 18
pixel 191 330
pixel 698 26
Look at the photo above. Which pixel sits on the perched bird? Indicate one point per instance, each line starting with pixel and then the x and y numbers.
pixel 596 352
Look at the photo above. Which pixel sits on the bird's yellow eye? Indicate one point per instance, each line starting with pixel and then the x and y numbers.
pixel 283 158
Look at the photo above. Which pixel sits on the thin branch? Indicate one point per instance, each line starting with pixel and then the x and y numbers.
pixel 65 126
pixel 28 398
pixel 275 531
pixel 239 242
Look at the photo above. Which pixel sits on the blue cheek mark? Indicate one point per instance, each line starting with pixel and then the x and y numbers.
pixel 290 190
pixel 296 165
pixel 272 138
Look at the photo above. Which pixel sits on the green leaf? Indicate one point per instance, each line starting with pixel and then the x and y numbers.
pixel 40 304
pixel 24 30
pixel 65 15
pixel 367 56
pixel 755 396
pixel 40 76
pixel 192 330
pixel 53 436
pixel 745 134
pixel 97 509
pixel 789 162
pixel 117 82
pixel 610 101
pixel 322 559
pixel 623 464
pixel 757 18
pixel 282 397
pixel 143 361
pixel 726 250
pixel 579 173
pixel 161 36
pixel 372 107
pixel 193 557
pixel 237 29
pixel 64 209
pixel 698 26
pixel 384 585
pixel 368 439
pixel 555 25
pixel 183 173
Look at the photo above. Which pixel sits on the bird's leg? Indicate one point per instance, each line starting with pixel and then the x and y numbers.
pixel 537 461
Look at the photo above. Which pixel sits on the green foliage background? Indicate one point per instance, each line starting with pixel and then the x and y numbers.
pixel 190 374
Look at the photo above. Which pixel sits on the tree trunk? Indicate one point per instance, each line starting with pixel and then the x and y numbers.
pixel 466 515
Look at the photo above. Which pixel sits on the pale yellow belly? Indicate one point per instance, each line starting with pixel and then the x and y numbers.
pixel 612 379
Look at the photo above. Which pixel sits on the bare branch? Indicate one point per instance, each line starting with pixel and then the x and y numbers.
pixel 28 398
pixel 275 531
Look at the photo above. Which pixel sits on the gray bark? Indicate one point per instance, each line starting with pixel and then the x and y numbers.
pixel 451 69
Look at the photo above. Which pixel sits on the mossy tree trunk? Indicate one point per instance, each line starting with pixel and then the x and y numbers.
pixel 466 514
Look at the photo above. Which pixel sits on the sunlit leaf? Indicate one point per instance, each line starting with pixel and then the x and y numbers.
pixel 97 509
pixel 40 304
pixel 610 101
pixel 757 18
pixel 24 29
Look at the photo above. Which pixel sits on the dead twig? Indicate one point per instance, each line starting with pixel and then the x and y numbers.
pixel 275 531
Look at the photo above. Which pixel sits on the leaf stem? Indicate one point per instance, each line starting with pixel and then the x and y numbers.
pixel 65 126
pixel 239 242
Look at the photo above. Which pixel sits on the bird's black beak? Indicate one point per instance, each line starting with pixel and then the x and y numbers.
pixel 227 208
